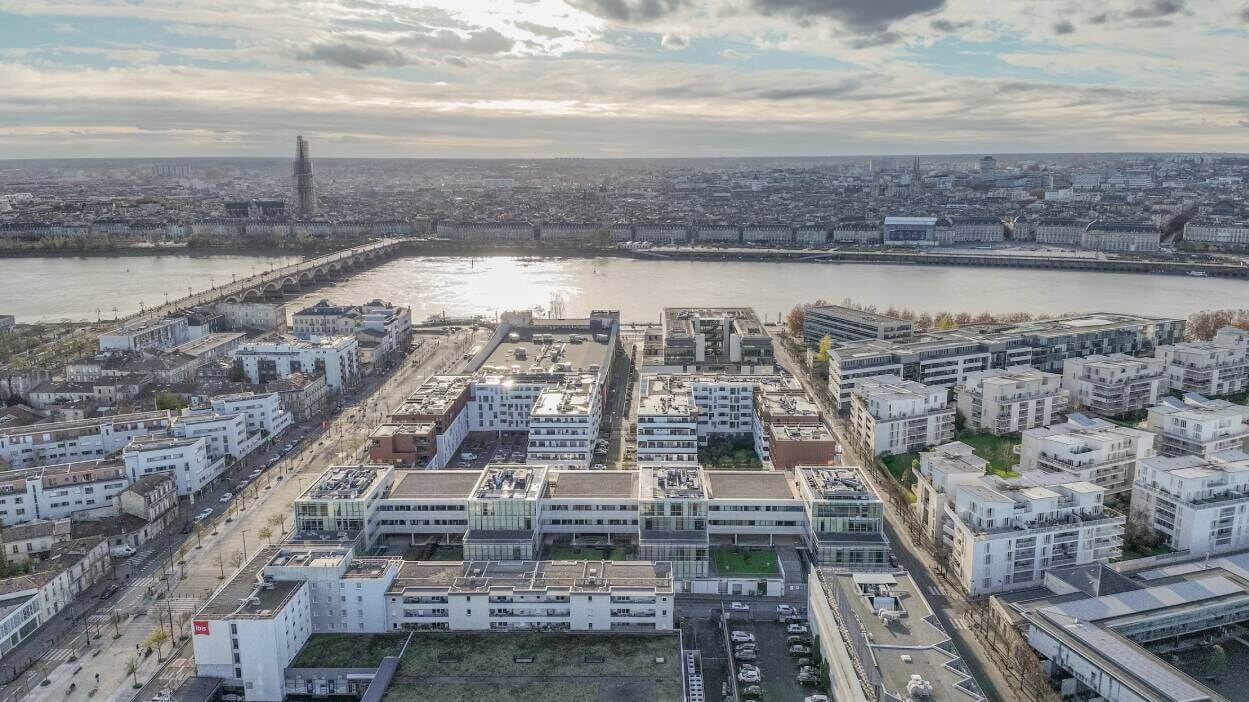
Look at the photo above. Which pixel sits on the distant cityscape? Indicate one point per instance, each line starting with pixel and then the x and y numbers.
pixel 1143 203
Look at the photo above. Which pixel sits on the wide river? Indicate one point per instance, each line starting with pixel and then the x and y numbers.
pixel 37 289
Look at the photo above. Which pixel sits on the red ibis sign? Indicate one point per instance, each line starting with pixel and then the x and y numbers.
pixel 201 628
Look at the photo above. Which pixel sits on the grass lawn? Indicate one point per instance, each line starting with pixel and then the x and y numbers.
pixel 589 553
pixel 999 451
pixel 732 561
pixel 459 667
pixel 481 692
pixel 1131 553
pixel 348 650
pixel 900 465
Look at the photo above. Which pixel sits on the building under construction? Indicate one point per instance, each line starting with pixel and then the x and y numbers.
pixel 305 195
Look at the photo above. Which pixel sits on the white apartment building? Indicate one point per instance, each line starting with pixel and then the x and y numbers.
pixel 263 412
pixel 338 357
pixel 564 423
pixel 1087 449
pixel 1199 503
pixel 253 627
pixel 29 601
pixel 1198 426
pixel 77 440
pixel 186 459
pixel 148 334
pixel 1003 534
pixel 1210 368
pixel 83 488
pixel 667 425
pixel 889 416
pixel 1061 232
pixel 264 316
pixel 390 326
pixel 1008 400
pixel 227 434
pixel 1230 235
pixel 1115 384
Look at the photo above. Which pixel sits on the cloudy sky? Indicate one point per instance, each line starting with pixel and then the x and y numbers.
pixel 620 78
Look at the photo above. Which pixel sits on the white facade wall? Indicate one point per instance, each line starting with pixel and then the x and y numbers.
pixel 263 412
pixel 1199 504
pixel 265 647
pixel 1218 234
pixel 1206 367
pixel 1114 384
pixel 1009 400
pixel 1092 450
pixel 187 461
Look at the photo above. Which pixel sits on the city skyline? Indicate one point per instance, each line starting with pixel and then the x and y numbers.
pixel 620 78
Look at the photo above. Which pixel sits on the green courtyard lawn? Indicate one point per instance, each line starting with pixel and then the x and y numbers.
pixel 732 561
pixel 348 650
pixel 729 452
pixel 538 667
pixel 899 466
pixel 564 552
pixel 999 451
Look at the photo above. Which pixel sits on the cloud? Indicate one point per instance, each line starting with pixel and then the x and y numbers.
pixel 1157 8
pixel 351 55
pixel 482 41
pixel 1243 14
pixel 1064 27
pixel 541 30
pixel 629 10
pixel 860 16
pixel 946 26
pixel 675 42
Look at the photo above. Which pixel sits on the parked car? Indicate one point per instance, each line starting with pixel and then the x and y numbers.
pixel 739 607
pixel 804 662
pixel 809 676
pixel 752 691
pixel 122 551
pixel 187 527
pixel 816 698
pixel 799 650
pixel 226 498
pixel 793 619
pixel 468 456
pixel 204 514
pixel 749 676
pixel 791 640
pixel 746 656
pixel 749 644
pixel 110 591
pixel 796 629
pixel 741 637
pixel 784 610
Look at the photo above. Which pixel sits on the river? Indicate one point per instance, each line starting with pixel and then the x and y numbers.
pixel 54 288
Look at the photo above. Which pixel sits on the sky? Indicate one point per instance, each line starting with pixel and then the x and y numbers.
pixel 620 78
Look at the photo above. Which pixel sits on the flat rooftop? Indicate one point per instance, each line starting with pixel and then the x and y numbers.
pixel 456 484
pixel 622 484
pixel 671 484
pixel 343 483
pixel 243 597
pixel 914 644
pixel 746 485
pixel 526 354
pixel 435 396
pixel 856 315
pixel 480 576
pixel 834 483
pixel 679 321
pixel 519 483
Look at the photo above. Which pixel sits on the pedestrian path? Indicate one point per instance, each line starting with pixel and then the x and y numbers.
pixel 57 655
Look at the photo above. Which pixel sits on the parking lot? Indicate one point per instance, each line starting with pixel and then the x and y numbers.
pixel 483 447
pixel 777 668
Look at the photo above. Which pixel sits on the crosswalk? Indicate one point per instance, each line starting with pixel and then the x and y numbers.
pixel 57 655
pixel 960 623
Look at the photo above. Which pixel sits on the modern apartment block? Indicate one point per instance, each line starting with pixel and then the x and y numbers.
pixel 338 357
pixel 1089 449
pixel 890 416
pixel 678 412
pixel 1113 385
pixel 1196 502
pixel 715 339
pixel 848 324
pixel 148 334
pixel 1004 533
pixel 78 440
pixel 1211 368
pixel 510 512
pixel 945 358
pixel 1008 400
pixel 250 631
pixel 1197 426
pixel 186 459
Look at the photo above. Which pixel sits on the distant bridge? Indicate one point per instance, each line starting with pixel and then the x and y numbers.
pixel 290 279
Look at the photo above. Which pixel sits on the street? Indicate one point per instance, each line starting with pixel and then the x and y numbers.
pixel 947 603
pixel 170 577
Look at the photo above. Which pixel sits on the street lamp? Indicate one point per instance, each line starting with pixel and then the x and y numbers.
pixel 244 544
